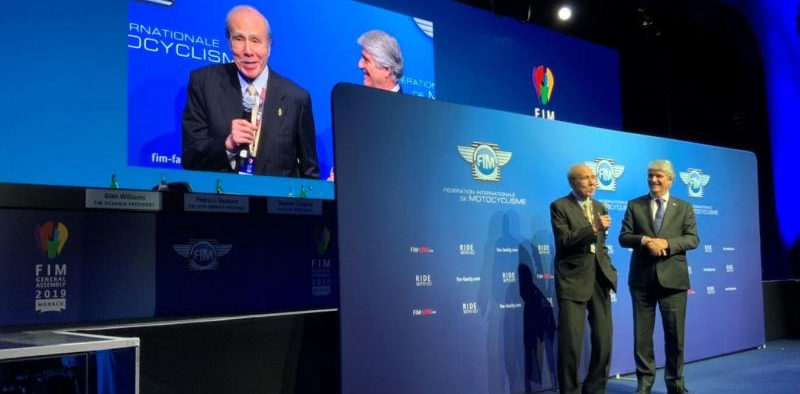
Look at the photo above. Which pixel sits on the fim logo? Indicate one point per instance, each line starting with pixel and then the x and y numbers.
pixel 51 237
pixel 708 248
pixel 543 82
pixel 710 290
pixel 469 308
pixel 728 267
pixel 695 181
pixel 203 254
pixel 486 159
pixel 607 172
pixel 424 280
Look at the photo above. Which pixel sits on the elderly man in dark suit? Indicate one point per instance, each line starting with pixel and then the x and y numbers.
pixel 279 138
pixel 584 278
pixel 660 228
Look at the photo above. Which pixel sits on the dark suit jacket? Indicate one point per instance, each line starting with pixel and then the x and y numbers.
pixel 576 266
pixel 678 227
pixel 287 146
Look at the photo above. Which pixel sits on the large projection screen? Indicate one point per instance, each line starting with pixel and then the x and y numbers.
pixel 447 281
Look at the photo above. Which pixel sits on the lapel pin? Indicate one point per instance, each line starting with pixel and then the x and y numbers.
pixel 280 111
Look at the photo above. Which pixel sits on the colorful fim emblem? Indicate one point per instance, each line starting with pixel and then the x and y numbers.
pixel 51 237
pixel 544 82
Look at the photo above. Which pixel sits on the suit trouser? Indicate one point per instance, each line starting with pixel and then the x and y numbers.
pixel 571 318
pixel 672 305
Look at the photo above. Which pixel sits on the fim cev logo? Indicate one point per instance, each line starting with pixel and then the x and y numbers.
pixel 486 159
pixel 607 172
pixel 695 180
pixel 203 254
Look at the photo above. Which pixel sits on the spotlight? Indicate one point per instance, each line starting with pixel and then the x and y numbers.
pixel 564 13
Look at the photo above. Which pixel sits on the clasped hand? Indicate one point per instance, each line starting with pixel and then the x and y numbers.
pixel 657 246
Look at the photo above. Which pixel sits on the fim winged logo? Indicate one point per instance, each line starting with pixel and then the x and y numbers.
pixel 607 172
pixel 695 180
pixel 486 159
pixel 202 254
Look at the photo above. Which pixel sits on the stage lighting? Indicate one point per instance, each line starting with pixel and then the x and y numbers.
pixel 564 13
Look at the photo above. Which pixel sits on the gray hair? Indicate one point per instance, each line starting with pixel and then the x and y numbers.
pixel 662 165
pixel 385 50
pixel 248 8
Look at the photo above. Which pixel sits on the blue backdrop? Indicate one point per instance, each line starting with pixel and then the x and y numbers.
pixel 455 275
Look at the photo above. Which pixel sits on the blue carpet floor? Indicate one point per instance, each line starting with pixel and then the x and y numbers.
pixel 771 370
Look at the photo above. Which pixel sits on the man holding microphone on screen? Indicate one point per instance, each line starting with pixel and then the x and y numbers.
pixel 244 117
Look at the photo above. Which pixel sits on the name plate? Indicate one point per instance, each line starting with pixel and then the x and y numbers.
pixel 216 203
pixel 294 206
pixel 134 200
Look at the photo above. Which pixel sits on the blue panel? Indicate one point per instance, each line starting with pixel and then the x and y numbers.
pixel 447 268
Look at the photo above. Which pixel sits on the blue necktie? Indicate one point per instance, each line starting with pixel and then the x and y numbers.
pixel 659 214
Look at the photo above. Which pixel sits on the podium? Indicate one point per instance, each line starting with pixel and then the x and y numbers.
pixel 68 362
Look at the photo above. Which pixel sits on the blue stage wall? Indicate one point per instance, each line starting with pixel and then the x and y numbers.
pixel 447 281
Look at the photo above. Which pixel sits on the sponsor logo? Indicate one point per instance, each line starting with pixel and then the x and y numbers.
pixel 466 249
pixel 543 249
pixel 424 280
pixel 728 249
pixel 486 159
pixel 507 250
pixel 423 312
pixel 710 290
pixel 728 267
pixel 730 288
pixel 512 305
pixel 468 279
pixel 202 254
pixel 545 276
pixel 709 269
pixel 420 249
pixel 607 172
pixel 695 181
pixel 708 248
pixel 469 308
pixel 509 277
pixel 51 276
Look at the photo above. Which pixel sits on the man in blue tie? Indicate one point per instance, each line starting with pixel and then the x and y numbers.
pixel 660 228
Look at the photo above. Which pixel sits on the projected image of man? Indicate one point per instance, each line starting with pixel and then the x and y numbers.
pixel 584 279
pixel 381 60
pixel 660 228
pixel 220 119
